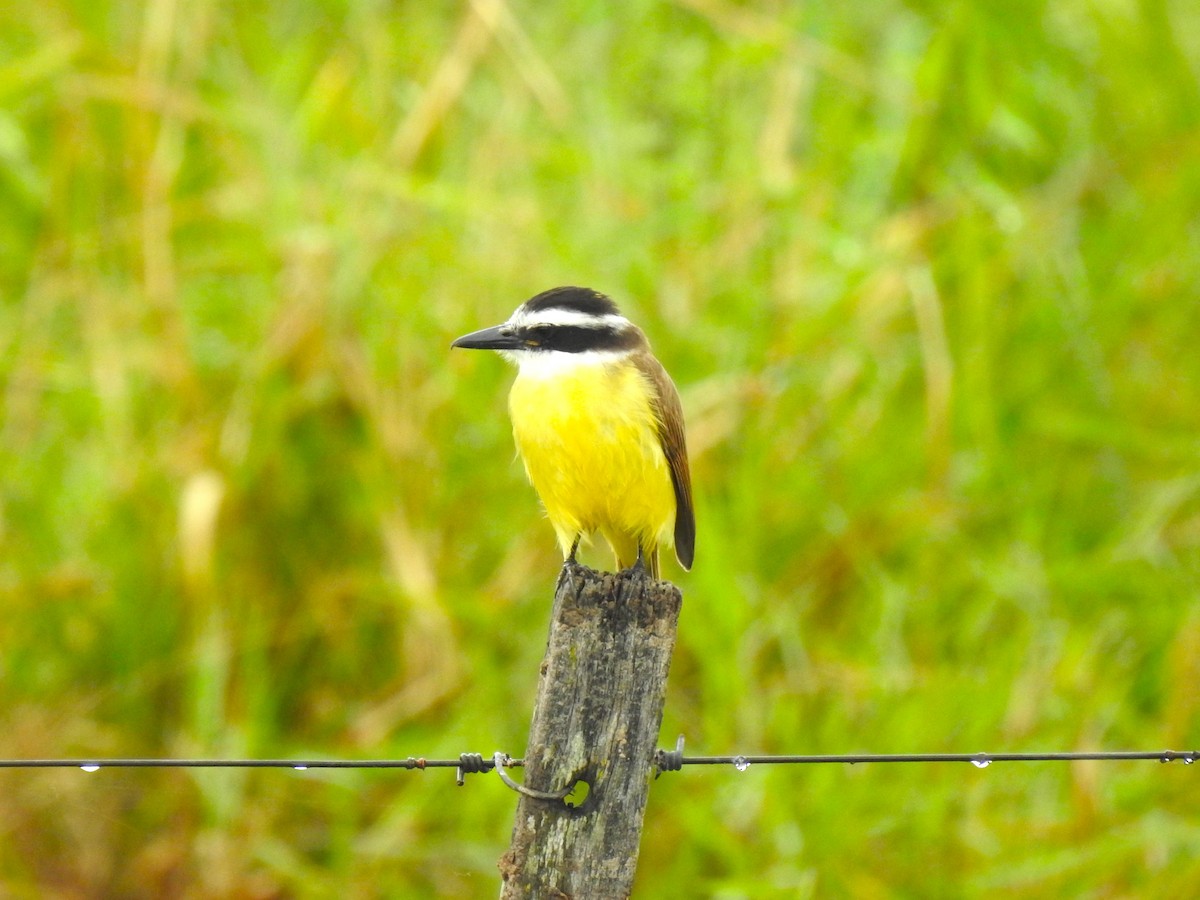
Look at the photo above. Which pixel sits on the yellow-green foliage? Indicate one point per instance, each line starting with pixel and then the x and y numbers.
pixel 927 275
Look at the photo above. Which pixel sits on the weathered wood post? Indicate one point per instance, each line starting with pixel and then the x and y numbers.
pixel 596 721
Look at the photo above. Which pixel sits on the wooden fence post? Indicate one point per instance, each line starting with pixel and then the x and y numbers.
pixel 595 723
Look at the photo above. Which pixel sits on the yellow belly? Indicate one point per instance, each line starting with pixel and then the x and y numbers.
pixel 591 449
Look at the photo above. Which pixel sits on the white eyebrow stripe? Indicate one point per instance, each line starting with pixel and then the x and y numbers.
pixel 568 317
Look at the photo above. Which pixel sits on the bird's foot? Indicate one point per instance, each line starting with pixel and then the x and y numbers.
pixel 639 569
pixel 569 567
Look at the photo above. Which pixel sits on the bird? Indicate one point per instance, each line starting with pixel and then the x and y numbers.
pixel 598 425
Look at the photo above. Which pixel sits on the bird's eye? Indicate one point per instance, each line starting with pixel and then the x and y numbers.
pixel 535 335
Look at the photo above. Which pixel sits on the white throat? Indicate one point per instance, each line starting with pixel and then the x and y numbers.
pixel 554 363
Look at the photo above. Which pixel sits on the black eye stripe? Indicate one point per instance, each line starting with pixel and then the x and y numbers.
pixel 579 338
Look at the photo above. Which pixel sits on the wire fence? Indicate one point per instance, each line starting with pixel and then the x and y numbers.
pixel 664 761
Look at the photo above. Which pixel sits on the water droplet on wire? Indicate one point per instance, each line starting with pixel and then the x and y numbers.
pixel 741 763
pixel 300 768
pixel 981 763
pixel 91 767
pixel 1188 760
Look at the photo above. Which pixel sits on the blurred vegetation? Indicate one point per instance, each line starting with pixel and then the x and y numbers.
pixel 927 275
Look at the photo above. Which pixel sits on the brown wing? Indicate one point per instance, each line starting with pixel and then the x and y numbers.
pixel 670 432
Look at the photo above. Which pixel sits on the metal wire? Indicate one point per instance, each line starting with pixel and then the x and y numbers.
pixel 93 763
pixel 979 759
pixel 664 760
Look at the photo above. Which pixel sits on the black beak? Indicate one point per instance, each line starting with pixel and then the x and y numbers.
pixel 498 337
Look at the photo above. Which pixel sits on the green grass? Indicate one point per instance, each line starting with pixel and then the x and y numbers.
pixel 927 275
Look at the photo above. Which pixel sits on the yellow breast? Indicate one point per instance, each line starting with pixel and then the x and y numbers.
pixel 590 445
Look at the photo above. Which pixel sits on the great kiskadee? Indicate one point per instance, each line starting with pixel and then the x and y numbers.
pixel 598 424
